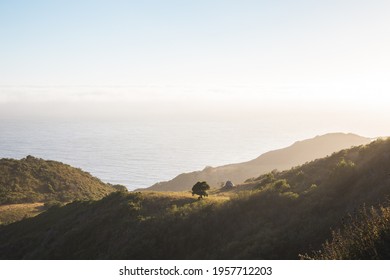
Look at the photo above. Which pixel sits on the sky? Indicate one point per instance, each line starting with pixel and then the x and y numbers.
pixel 221 58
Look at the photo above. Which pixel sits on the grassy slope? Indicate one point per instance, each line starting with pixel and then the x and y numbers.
pixel 15 212
pixel 275 216
pixel 31 180
pixel 298 153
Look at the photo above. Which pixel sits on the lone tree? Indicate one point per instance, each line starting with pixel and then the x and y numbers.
pixel 200 189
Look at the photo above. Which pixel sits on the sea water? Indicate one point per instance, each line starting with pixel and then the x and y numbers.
pixel 138 154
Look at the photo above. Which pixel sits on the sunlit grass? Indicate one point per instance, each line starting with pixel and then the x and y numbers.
pixel 15 212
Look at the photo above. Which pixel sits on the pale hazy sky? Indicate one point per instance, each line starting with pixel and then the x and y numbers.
pixel 319 58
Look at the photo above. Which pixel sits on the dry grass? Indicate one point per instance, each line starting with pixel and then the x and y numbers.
pixel 15 212
pixel 215 195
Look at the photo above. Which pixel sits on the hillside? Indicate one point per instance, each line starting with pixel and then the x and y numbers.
pixel 32 180
pixel 278 215
pixel 363 237
pixel 11 213
pixel 296 154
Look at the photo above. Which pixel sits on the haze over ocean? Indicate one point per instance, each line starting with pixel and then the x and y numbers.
pixel 137 136
pixel 139 154
pixel 137 92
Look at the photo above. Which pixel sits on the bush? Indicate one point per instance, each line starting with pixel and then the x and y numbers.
pixel 120 188
pixel 281 185
pixel 366 236
pixel 52 203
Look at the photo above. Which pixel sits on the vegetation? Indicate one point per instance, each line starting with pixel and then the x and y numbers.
pixel 200 188
pixel 32 180
pixel 16 212
pixel 296 154
pixel 279 215
pixel 119 188
pixel 365 236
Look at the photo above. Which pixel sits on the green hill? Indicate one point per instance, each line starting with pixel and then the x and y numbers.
pixel 32 180
pixel 282 159
pixel 279 215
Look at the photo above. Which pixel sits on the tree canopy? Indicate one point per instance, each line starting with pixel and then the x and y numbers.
pixel 200 188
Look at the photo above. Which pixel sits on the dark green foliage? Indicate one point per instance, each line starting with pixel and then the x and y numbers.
pixel 283 214
pixel 36 180
pixel 119 188
pixel 132 226
pixel 366 236
pixel 200 188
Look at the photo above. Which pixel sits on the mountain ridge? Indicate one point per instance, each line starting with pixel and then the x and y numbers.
pixel 279 215
pixel 280 159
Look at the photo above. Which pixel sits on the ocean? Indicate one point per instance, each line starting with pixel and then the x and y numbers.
pixel 138 154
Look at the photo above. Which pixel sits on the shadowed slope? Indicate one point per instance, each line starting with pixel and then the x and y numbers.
pixel 279 216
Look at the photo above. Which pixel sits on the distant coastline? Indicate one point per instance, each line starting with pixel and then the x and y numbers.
pixel 140 154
